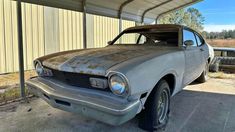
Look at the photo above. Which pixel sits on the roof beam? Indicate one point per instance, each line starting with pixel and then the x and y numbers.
pixel 156 6
pixel 120 13
pixel 177 8
pixel 122 6
pixel 75 5
pixel 105 10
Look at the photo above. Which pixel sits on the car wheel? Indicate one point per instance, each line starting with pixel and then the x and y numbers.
pixel 214 67
pixel 204 76
pixel 155 115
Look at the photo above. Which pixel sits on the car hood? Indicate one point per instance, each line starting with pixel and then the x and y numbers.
pixel 98 60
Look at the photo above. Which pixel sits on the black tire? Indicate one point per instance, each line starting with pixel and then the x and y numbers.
pixel 214 67
pixel 204 76
pixel 155 115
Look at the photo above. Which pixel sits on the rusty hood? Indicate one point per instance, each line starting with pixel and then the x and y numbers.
pixel 98 60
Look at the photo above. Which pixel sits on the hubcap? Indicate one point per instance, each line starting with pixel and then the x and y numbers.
pixel 162 106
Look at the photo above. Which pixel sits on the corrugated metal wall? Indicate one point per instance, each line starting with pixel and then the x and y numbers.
pixel 105 29
pixel 130 38
pixel 70 30
pixel 8 37
pixel 33 33
pixel 47 30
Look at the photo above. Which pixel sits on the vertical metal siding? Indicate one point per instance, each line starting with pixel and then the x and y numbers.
pixel 14 37
pixel 105 29
pixel 36 41
pixel 40 29
pixel 33 35
pixel 129 38
pixel 8 37
pixel 29 36
pixel 2 40
pixel 70 30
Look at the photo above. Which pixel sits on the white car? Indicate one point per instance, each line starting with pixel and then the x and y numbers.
pixel 137 72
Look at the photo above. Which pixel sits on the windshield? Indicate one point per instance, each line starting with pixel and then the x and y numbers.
pixel 168 38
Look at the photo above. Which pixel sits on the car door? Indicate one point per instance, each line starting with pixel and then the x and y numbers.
pixel 193 58
pixel 203 48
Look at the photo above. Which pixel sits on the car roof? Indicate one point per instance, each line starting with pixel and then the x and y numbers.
pixel 156 26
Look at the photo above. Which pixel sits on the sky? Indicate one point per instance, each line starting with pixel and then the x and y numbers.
pixel 219 14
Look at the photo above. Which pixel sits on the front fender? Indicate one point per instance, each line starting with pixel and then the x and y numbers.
pixel 145 76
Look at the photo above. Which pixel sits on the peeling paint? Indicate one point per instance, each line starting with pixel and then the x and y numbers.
pixel 97 61
pixel 93 66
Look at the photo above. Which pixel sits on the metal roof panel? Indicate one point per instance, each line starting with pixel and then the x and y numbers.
pixel 132 11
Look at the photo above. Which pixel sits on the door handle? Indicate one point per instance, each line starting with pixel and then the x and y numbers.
pixel 201 49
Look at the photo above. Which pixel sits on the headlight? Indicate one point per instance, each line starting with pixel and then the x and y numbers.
pixel 118 85
pixel 41 71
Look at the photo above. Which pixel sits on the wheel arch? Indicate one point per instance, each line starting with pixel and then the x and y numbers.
pixel 209 60
pixel 170 79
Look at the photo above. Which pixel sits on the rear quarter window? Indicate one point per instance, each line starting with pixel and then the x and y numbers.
pixel 199 40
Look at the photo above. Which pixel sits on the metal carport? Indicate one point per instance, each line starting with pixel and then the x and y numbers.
pixel 142 11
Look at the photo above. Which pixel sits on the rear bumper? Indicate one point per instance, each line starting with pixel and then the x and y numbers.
pixel 83 101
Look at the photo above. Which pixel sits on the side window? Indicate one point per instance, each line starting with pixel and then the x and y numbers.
pixel 199 40
pixel 142 39
pixel 128 38
pixel 188 35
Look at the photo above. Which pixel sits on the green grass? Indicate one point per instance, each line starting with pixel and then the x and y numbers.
pixel 221 75
pixel 11 94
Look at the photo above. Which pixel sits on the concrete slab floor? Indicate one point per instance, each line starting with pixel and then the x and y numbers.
pixel 208 107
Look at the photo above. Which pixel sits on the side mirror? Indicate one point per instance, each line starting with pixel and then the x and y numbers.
pixel 109 42
pixel 188 43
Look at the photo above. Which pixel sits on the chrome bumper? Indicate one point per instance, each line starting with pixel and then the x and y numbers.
pixel 91 103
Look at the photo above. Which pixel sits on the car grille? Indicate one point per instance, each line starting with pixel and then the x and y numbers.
pixel 76 79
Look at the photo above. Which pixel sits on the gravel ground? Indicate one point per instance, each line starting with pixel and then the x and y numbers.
pixel 208 107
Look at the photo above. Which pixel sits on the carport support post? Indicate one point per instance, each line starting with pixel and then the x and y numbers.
pixel 20 49
pixel 120 22
pixel 120 25
pixel 84 25
pixel 120 15
pixel 156 20
pixel 120 28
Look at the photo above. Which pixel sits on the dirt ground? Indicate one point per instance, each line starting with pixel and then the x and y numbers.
pixel 9 86
pixel 208 107
pixel 221 42
pixel 12 79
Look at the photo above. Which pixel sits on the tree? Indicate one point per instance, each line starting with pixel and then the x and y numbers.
pixel 206 34
pixel 233 34
pixel 190 17
pixel 224 34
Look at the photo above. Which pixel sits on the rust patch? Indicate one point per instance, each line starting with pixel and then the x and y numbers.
pixel 93 66
pixel 97 61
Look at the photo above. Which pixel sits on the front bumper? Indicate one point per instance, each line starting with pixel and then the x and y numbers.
pixel 91 103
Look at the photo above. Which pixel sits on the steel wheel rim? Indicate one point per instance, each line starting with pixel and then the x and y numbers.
pixel 162 106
